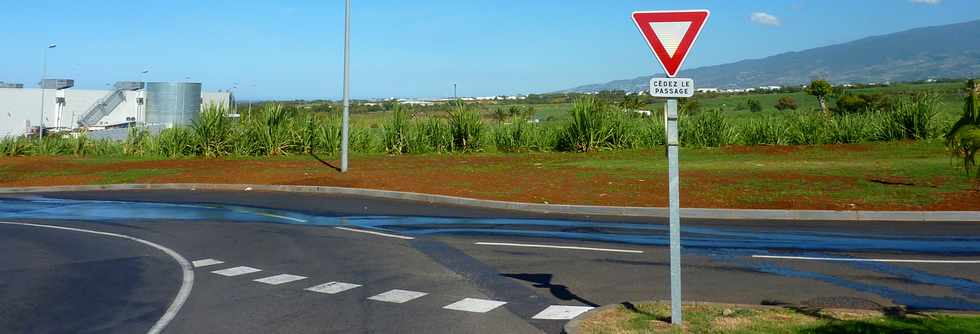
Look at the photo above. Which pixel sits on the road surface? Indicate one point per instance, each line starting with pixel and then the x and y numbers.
pixel 313 263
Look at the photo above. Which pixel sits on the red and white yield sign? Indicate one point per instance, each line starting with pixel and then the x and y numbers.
pixel 670 34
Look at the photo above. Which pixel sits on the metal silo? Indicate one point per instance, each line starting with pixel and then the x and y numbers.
pixel 175 104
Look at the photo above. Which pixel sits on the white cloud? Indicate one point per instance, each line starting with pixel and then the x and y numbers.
pixel 769 20
pixel 927 2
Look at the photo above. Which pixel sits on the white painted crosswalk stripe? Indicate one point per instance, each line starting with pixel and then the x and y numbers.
pixel 236 271
pixel 561 312
pixel 206 262
pixel 474 305
pixel 398 296
pixel 333 287
pixel 280 279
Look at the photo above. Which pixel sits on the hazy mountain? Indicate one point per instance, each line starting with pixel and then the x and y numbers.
pixel 949 51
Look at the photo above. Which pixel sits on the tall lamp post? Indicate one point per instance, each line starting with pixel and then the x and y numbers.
pixel 141 108
pixel 44 74
pixel 346 118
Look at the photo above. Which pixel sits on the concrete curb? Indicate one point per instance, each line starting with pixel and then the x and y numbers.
pixel 696 213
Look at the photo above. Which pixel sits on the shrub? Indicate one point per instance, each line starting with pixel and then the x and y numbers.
pixel 137 142
pixel 753 105
pixel 848 129
pixel 212 132
pixel 516 137
pixel 786 103
pixel 807 129
pixel 466 128
pixel 963 138
pixel 589 128
pixel 15 146
pixel 706 129
pixel 768 130
pixel 176 142
pixel 430 135
pixel 270 130
pixel 395 132
pixel 914 114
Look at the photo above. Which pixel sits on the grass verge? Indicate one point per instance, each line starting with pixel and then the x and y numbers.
pixel 732 319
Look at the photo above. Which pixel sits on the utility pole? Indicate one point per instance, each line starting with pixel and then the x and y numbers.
pixel 44 74
pixel 344 132
pixel 454 92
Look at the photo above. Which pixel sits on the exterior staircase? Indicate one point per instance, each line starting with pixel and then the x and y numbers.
pixel 102 108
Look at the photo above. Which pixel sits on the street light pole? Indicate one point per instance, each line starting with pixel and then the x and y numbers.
pixel 44 74
pixel 344 132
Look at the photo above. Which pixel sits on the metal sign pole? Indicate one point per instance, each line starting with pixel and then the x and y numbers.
pixel 674 212
pixel 345 138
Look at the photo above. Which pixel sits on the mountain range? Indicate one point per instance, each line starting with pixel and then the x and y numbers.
pixel 947 51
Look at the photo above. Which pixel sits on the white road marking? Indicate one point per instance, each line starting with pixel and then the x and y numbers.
pixel 398 296
pixel 838 259
pixel 187 283
pixel 375 233
pixel 561 312
pixel 206 262
pixel 271 215
pixel 236 271
pixel 474 305
pixel 280 279
pixel 561 247
pixel 333 288
pixel 281 217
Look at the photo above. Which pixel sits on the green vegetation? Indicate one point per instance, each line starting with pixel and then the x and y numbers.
pixel 600 122
pixel 820 89
pixel 964 137
pixel 725 319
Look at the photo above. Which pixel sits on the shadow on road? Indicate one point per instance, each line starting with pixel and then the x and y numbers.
pixel 544 281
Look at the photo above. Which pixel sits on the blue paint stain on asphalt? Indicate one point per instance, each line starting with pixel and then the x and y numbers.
pixel 910 300
pixel 731 245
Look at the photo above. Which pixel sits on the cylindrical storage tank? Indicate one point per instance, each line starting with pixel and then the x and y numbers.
pixel 172 103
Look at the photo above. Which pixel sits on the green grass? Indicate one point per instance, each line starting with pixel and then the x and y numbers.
pixel 133 175
pixel 722 319
pixel 841 175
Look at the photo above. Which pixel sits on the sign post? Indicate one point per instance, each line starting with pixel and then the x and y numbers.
pixel 670 35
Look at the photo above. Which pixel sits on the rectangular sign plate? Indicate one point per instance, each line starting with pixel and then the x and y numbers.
pixel 671 87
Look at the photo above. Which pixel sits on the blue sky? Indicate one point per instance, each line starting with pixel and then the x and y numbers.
pixel 418 48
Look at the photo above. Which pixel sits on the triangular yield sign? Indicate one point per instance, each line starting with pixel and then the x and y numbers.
pixel 670 34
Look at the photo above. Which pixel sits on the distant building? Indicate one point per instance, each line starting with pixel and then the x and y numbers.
pixel 706 90
pixel 128 103
pixel 770 87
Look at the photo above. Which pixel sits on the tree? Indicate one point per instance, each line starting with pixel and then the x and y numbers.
pixel 820 89
pixel 786 103
pixel 964 138
pixel 753 105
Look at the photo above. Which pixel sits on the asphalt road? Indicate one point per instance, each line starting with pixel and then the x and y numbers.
pixel 471 261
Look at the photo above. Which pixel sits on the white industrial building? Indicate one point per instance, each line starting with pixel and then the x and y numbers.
pixel 127 104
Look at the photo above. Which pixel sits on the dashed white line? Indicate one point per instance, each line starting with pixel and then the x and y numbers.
pixel 206 262
pixel 187 283
pixel 398 296
pixel 474 305
pixel 332 288
pixel 839 259
pixel 280 279
pixel 236 271
pixel 561 247
pixel 561 312
pixel 375 233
